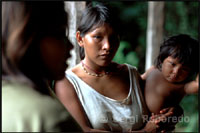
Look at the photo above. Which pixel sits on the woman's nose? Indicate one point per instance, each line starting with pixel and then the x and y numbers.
pixel 106 45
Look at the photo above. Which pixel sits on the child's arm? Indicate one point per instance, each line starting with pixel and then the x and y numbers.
pixel 192 87
pixel 144 75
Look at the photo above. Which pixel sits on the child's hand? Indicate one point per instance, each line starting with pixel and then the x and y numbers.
pixel 158 118
pixel 167 111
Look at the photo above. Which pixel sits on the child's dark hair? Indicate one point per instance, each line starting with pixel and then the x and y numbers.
pixel 184 48
pixel 96 15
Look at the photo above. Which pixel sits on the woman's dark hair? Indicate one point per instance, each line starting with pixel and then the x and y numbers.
pixel 96 15
pixel 24 24
pixel 182 47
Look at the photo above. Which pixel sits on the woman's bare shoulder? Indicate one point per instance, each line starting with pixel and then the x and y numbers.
pixel 77 70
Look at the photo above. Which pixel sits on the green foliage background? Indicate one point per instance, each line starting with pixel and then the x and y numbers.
pixel 180 17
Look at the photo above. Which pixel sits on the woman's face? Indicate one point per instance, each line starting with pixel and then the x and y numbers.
pixel 173 71
pixel 100 45
pixel 55 50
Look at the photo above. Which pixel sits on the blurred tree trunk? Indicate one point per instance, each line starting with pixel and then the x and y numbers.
pixel 154 31
pixel 74 10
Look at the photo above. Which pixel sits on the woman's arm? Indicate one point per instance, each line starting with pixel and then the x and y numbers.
pixel 67 95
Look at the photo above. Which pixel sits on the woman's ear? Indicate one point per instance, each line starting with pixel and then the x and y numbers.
pixel 79 38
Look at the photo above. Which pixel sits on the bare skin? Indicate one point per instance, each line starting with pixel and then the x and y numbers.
pixel 169 88
pixel 117 80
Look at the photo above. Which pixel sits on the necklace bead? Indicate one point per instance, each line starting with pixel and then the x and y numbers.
pixel 92 74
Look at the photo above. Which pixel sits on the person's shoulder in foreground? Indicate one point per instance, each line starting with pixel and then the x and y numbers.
pixel 40 113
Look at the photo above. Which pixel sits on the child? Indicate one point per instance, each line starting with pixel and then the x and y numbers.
pixel 171 78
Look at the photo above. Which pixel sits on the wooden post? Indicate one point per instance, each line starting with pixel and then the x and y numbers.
pixel 154 31
pixel 74 10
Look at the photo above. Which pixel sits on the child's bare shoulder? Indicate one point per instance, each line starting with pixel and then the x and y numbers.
pixel 153 70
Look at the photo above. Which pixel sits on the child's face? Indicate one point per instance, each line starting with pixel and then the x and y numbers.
pixel 173 71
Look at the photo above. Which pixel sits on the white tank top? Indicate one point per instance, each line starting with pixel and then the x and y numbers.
pixel 109 114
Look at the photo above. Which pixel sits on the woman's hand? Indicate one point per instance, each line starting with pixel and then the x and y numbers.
pixel 168 118
pixel 152 125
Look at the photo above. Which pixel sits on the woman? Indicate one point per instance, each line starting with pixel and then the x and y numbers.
pixel 34 51
pixel 101 94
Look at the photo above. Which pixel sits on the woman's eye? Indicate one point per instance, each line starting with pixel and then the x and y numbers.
pixel 97 37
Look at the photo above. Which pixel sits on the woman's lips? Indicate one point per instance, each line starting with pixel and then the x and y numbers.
pixel 105 56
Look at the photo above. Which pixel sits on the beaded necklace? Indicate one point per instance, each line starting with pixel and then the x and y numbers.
pixel 92 74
